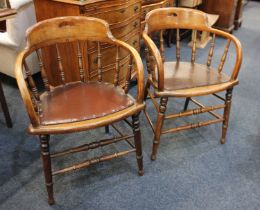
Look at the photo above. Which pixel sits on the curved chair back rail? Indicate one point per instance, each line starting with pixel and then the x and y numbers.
pixel 180 18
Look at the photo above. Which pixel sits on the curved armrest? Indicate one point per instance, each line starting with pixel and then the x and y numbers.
pixel 139 70
pixel 156 54
pixel 24 90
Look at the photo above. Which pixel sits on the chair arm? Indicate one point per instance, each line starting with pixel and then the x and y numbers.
pixel 156 54
pixel 139 71
pixel 24 90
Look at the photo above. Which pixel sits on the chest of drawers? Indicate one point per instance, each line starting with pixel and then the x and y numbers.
pixel 149 5
pixel 123 17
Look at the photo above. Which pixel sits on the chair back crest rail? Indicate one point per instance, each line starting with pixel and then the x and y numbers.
pixel 178 19
pixel 89 36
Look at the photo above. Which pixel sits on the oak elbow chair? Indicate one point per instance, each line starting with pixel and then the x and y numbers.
pixel 79 105
pixel 187 79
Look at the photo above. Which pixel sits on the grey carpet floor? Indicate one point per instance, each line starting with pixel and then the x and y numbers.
pixel 193 170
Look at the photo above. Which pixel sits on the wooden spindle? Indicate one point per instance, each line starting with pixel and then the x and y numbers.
pixel 116 79
pixel 224 56
pixel 80 61
pixel 99 62
pixel 162 46
pixel 87 61
pixel 193 52
pixel 31 82
pixel 43 71
pixel 62 74
pixel 211 51
pixel 146 53
pixel 128 75
pixel 178 46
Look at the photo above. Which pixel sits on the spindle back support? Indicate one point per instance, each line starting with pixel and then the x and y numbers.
pixel 94 38
pixel 182 18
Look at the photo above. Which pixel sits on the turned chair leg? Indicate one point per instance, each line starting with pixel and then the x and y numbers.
pixel 187 101
pixel 147 87
pixel 107 128
pixel 5 108
pixel 138 143
pixel 46 160
pixel 158 128
pixel 226 115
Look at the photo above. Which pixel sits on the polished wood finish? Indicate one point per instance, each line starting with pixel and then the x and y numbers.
pixel 149 5
pixel 83 104
pixel 225 9
pixel 187 79
pixel 124 19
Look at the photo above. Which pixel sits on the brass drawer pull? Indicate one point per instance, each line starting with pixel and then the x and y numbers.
pixel 134 42
pixel 135 24
pixel 136 8
pixel 122 11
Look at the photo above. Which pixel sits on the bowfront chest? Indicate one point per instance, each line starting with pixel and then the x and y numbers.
pixel 149 5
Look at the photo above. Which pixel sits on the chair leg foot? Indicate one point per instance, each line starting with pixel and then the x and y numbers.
pixel 107 129
pixel 153 157
pixel 187 101
pixel 141 172
pixel 222 140
pixel 226 115
pixel 158 128
pixel 138 143
pixel 51 202
pixel 46 160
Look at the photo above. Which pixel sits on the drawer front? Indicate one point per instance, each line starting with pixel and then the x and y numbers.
pixel 121 30
pixel 145 2
pixel 148 8
pixel 134 41
pixel 113 14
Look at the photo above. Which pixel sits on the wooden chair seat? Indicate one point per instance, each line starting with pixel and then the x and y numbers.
pixel 90 100
pixel 187 79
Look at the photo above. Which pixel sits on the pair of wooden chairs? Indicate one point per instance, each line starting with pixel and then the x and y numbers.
pixel 84 105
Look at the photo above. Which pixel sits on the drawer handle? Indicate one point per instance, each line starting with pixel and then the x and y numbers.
pixel 85 10
pixel 134 42
pixel 136 8
pixel 122 11
pixel 135 24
